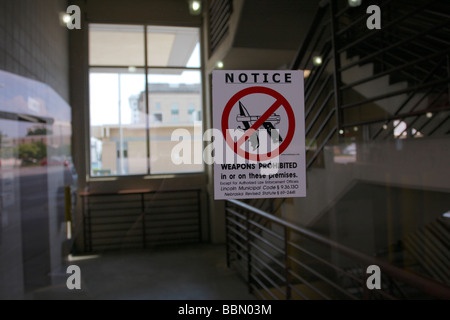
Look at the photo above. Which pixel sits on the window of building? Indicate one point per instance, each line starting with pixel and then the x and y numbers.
pixel 157 117
pixel 191 108
pixel 175 110
pixel 131 67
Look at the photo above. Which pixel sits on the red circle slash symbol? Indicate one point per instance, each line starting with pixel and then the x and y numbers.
pixel 279 101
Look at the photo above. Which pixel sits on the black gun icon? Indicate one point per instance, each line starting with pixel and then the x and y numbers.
pixel 248 120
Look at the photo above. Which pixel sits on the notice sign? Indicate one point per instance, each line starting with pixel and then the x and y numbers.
pixel 259 151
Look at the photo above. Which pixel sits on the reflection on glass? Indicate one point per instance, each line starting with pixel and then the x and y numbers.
pixel 126 124
pixel 118 123
pixel 119 126
pixel 173 47
pixel 174 95
pixel 35 166
pixel 116 45
pixel 345 153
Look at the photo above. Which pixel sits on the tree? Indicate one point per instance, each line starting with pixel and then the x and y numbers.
pixel 39 132
pixel 32 152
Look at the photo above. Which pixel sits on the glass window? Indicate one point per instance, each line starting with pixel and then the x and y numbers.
pixel 175 108
pixel 122 141
pixel 177 87
pixel 116 45
pixel 118 132
pixel 191 108
pixel 156 117
pixel 176 47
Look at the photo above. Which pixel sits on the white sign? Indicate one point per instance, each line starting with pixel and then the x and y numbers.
pixel 260 115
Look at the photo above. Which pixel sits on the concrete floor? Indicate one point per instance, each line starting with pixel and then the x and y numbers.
pixel 183 272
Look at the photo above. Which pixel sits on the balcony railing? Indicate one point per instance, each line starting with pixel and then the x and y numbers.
pixel 280 260
pixel 386 83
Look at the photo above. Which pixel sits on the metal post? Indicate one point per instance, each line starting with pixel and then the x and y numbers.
pixel 337 66
pixel 199 206
pixel 227 240
pixel 286 264
pixel 448 75
pixel 146 100
pixel 249 264
pixel 84 224
pixel 121 160
pixel 89 225
pixel 144 236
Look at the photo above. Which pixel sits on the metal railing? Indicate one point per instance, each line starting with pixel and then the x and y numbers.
pixel 280 260
pixel 140 218
pixel 411 49
pixel 219 14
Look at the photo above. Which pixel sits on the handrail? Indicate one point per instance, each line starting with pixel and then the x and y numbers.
pixel 396 93
pixel 396 117
pixel 328 20
pixel 386 26
pixel 429 286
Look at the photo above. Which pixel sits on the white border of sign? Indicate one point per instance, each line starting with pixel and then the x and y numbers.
pixel 260 114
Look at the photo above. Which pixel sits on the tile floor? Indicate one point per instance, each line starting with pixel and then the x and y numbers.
pixel 183 272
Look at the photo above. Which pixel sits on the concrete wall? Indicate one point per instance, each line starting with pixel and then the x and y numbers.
pixel 33 44
pixel 418 164
pixel 158 12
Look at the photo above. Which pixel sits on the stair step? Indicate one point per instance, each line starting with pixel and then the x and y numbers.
pixel 306 293
pixel 413 247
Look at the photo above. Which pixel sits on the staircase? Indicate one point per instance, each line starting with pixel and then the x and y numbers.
pixel 376 84
pixel 280 260
pixel 373 88
pixel 429 246
pixel 377 120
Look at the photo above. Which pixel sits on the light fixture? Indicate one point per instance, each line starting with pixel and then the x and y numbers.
pixel 341 131
pixel 306 73
pixel 195 7
pixel 355 129
pixel 131 69
pixel 219 64
pixel 64 18
pixel 385 126
pixel 429 115
pixel 446 215
pixel 354 3
pixel 317 61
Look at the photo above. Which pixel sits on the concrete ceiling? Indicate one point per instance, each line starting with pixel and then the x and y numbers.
pixel 274 24
pixel 268 33
pixel 123 45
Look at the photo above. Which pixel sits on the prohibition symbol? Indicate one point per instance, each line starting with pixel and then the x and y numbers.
pixel 279 101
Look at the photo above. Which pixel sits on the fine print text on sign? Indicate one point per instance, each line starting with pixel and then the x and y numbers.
pixel 261 117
